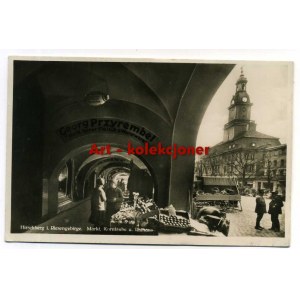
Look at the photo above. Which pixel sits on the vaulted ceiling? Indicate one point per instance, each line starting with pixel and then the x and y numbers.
pixel 158 87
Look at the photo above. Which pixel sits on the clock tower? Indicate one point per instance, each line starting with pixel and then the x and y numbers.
pixel 239 111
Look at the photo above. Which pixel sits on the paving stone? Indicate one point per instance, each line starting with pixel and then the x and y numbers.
pixel 243 223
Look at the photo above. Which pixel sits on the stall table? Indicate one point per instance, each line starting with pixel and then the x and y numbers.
pixel 219 200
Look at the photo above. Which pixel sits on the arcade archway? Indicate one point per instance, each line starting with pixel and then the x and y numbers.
pixel 165 100
pixel 74 180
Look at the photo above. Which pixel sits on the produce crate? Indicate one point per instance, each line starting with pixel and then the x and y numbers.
pixel 173 228
pixel 125 218
pixel 122 225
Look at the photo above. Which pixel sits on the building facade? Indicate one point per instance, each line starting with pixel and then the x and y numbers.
pixel 245 157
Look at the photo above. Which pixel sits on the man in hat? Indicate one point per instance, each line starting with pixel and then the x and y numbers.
pixel 260 209
pixel 275 210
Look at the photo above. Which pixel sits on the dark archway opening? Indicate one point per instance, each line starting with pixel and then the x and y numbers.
pixel 76 177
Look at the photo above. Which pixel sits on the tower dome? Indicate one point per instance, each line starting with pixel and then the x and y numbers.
pixel 242 79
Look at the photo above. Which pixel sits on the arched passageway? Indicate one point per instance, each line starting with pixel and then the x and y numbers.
pixel 148 102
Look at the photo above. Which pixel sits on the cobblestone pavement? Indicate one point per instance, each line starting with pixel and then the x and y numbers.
pixel 242 223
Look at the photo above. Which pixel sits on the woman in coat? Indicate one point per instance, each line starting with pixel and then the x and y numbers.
pixel 98 204
pixel 275 210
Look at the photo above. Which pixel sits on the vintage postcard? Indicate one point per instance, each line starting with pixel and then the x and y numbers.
pixel 149 151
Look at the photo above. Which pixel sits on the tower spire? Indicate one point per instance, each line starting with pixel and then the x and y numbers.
pixel 239 111
pixel 241 82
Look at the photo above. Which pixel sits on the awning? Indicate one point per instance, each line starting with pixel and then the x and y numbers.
pixel 224 181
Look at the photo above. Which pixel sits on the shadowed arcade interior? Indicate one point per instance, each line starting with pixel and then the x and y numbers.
pixel 54 121
pixel 126 170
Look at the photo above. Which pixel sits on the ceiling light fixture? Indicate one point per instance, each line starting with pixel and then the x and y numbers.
pixel 98 94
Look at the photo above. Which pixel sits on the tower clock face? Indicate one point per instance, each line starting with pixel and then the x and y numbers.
pixel 244 99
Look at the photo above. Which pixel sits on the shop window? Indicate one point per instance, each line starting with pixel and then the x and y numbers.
pixel 63 186
pixel 45 198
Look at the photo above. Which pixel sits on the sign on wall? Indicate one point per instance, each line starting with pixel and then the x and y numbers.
pixel 93 125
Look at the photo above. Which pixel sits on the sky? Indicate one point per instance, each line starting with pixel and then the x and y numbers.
pixel 269 88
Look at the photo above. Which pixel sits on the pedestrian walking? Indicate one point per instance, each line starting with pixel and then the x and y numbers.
pixel 260 209
pixel 275 210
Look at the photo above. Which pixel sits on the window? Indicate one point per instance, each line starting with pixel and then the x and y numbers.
pixel 249 156
pixel 282 163
pixel 275 163
pixel 250 168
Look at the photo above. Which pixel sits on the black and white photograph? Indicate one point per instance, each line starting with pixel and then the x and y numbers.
pixel 149 149
pixel 141 151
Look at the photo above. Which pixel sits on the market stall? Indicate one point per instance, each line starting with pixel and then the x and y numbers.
pixel 221 201
pixel 144 217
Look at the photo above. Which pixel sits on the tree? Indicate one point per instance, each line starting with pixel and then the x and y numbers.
pixel 270 168
pixel 198 168
pixel 210 166
pixel 242 164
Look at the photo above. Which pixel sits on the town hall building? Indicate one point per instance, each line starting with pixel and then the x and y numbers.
pixel 245 157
